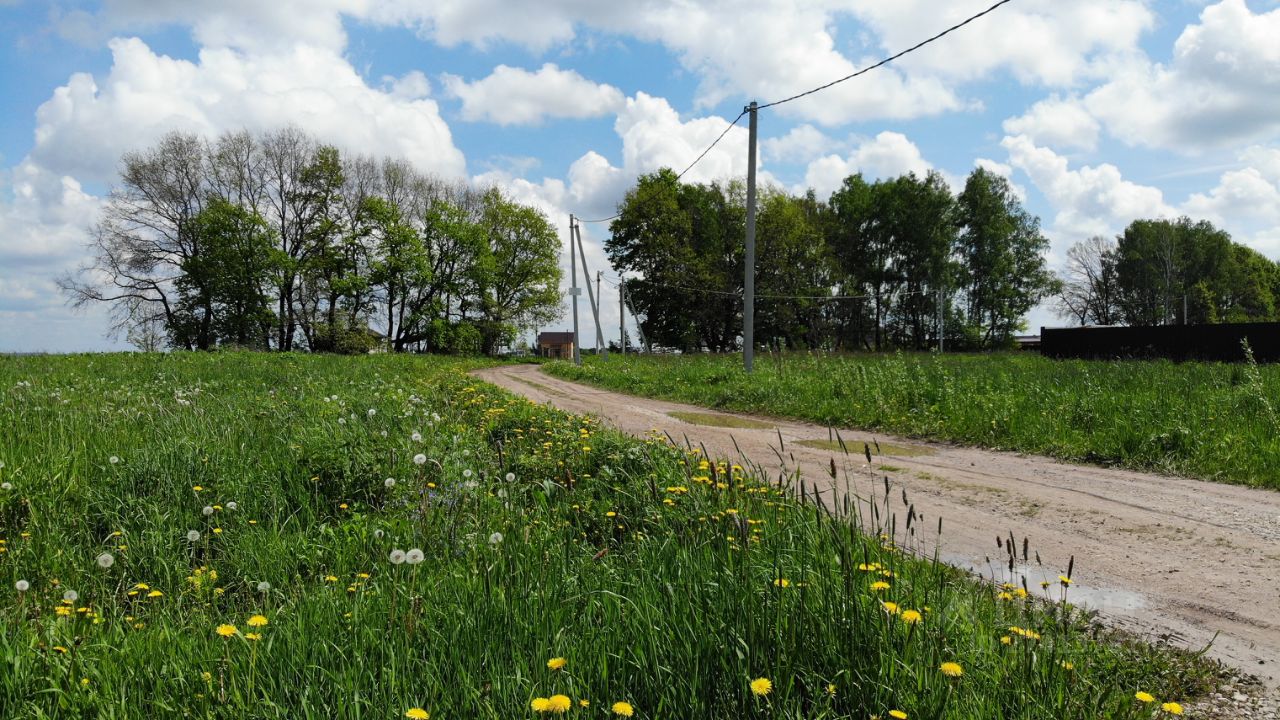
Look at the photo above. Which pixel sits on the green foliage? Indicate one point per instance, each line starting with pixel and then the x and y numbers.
pixel 1198 419
pixel 657 575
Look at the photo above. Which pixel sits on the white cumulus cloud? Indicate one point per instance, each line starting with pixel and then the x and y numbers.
pixel 515 96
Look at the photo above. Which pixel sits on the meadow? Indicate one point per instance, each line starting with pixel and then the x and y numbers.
pixel 281 536
pixel 1209 420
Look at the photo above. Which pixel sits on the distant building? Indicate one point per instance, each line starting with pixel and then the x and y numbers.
pixel 555 344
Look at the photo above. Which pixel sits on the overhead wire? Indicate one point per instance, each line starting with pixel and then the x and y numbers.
pixel 887 60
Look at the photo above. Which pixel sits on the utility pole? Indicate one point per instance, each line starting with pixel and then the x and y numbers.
pixel 574 292
pixel 942 314
pixel 586 280
pixel 749 273
pixel 622 315
pixel 604 349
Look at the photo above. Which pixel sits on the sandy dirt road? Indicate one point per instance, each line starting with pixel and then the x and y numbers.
pixel 1162 556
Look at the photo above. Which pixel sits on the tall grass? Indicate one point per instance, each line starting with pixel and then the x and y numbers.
pixel 1209 420
pixel 231 486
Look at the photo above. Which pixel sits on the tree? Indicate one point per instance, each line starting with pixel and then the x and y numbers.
pixel 144 236
pixel 920 217
pixel 858 242
pixel 1089 292
pixel 1172 271
pixel 517 274
pixel 1001 251
pixel 223 289
pixel 790 264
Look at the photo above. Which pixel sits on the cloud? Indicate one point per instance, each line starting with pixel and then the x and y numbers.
pixel 1221 87
pixel 800 145
pixel 87 124
pixel 1056 122
pixel 887 155
pixel 514 96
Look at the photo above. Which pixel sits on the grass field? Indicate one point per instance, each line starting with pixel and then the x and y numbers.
pixel 1209 420
pixel 277 536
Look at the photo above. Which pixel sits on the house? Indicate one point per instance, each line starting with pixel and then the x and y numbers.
pixel 555 345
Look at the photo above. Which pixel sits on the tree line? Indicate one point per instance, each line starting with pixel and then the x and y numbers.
pixel 892 263
pixel 278 241
pixel 1161 272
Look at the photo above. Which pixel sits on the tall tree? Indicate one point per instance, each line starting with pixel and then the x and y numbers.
pixel 1089 293
pixel 1002 254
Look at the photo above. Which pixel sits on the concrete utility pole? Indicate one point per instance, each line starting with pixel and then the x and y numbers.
pixel 622 315
pixel 942 333
pixel 574 292
pixel 749 273
pixel 586 280
pixel 604 349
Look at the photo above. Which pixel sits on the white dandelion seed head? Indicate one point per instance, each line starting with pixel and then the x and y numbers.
pixel 353 417
pixel 383 433
pixel 6 486
pixel 232 505
pixel 105 560
pixel 419 459
pixel 511 477
pixel 435 418
pixel 378 534
pixel 113 459
pixel 372 412
pixel 495 538
pixel 466 473
pixel 501 493
pixel 414 556
pixel 193 535
pixel 389 483
pixel 470 485
pixel 416 437
pixel 264 586
pixel 71 596
pixel 207 510
pixel 342 421
pixel 22 586
pixel 397 557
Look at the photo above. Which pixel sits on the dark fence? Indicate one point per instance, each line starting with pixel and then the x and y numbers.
pixel 1176 342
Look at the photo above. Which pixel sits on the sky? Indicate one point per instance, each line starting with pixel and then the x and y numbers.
pixel 1098 111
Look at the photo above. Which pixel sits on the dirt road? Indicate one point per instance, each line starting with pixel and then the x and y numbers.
pixel 1162 556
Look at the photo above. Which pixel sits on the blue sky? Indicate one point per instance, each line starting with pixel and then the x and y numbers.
pixel 1099 111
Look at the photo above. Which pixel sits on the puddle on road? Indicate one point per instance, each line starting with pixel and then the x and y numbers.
pixel 1106 600
pixel 714 420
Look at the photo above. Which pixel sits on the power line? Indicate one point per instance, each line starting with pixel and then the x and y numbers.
pixel 689 167
pixel 887 60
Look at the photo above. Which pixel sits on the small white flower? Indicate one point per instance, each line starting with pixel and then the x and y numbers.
pixel 383 433
pixel 264 586
pixel 6 486
pixel 372 412
pixel 389 483
pixel 397 557
pixel 511 477
pixel 71 596
pixel 207 511
pixel 378 534
pixel 495 538
pixel 416 437
pixel 342 421
pixel 22 586
pixel 106 560
pixel 326 399
pixel 113 459
pixel 419 459
pixel 193 535
pixel 435 418
pixel 232 505
pixel 466 473
pixel 414 556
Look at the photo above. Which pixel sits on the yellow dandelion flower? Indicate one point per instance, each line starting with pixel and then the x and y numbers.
pixel 417 714
pixel 623 708
pixel 559 703
pixel 584 703
pixel 1064 580
pixel 898 714
pixel 1143 696
pixel 331 578
pixel 911 617
pixel 59 648
pixel 142 586
pixel 761 686
pixel 84 682
pixel 890 607
pixel 1172 708
pixel 879 585
pixel 556 663
pixel 782 582
pixel 258 621
pixel 831 690
pixel 226 630
pixel 951 669
pixel 252 636
pixel 539 704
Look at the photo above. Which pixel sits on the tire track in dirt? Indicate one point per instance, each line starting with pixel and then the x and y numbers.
pixel 1170 558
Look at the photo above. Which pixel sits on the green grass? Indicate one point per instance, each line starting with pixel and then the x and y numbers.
pixel 657 575
pixel 1209 420
pixel 714 420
